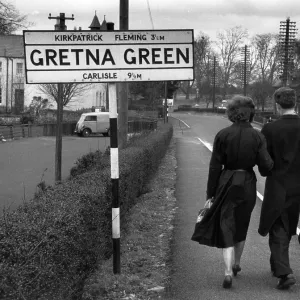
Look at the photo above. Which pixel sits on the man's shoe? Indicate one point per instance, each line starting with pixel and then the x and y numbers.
pixel 286 281
pixel 227 283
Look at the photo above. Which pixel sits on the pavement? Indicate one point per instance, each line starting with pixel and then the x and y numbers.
pixel 197 271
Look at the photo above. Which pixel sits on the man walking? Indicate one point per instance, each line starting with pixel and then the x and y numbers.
pixel 280 208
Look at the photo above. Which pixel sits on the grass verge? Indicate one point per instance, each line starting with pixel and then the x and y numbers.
pixel 145 246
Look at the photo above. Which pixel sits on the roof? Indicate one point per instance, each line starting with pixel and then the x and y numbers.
pixel 11 46
pixel 95 24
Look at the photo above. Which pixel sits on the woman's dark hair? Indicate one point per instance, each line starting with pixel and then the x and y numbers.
pixel 285 97
pixel 240 108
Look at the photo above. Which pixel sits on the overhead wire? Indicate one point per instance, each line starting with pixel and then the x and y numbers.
pixel 150 15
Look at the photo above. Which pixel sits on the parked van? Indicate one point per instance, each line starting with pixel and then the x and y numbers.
pixel 93 123
pixel 223 104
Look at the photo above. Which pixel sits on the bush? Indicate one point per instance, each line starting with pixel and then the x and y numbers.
pixel 87 162
pixel 52 243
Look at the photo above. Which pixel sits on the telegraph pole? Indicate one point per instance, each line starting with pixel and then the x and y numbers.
pixel 166 104
pixel 213 80
pixel 287 41
pixel 123 86
pixel 59 26
pixel 214 83
pixel 245 72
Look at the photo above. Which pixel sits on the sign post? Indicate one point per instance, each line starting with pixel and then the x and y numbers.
pixel 109 57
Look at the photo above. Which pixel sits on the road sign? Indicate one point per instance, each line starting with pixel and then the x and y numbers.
pixel 108 56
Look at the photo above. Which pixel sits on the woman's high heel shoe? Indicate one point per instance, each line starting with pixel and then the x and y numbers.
pixel 236 269
pixel 227 283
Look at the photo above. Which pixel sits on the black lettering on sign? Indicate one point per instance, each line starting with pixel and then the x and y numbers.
pixel 108 57
pixel 50 56
pixel 167 55
pixel 89 55
pixel 132 59
pixel 77 51
pixel 99 76
pixel 156 55
pixel 185 57
pixel 62 57
pixel 143 55
pixel 40 60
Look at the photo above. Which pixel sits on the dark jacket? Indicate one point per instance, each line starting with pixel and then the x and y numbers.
pixel 282 188
pixel 237 147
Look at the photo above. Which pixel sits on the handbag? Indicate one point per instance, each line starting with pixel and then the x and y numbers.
pixel 204 210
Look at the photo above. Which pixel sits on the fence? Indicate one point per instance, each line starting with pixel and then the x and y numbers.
pixel 32 130
pixel 17 131
pixel 139 125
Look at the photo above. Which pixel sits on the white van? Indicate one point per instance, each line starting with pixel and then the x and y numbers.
pixel 93 123
pixel 223 104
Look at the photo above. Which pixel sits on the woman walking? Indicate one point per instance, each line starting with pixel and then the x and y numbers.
pixel 232 184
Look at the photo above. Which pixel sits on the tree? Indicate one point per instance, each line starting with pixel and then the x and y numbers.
pixel 266 46
pixel 37 104
pixel 70 91
pixel 260 91
pixel 185 87
pixel 10 18
pixel 229 44
pixel 203 57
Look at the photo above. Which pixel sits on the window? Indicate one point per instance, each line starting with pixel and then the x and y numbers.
pixel 90 118
pixel 0 95
pixel 19 68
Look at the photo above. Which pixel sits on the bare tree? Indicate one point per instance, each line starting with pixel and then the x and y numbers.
pixel 185 87
pixel 229 43
pixel 266 46
pixel 70 91
pixel 202 58
pixel 10 18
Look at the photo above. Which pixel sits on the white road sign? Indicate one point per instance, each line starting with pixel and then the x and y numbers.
pixel 109 56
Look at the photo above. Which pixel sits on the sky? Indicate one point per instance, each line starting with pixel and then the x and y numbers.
pixel 207 16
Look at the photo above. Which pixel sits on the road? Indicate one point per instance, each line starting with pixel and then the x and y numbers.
pixel 24 163
pixel 197 271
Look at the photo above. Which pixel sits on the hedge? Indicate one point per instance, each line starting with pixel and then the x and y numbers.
pixel 51 244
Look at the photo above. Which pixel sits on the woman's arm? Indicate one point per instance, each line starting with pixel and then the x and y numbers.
pixel 215 168
pixel 263 158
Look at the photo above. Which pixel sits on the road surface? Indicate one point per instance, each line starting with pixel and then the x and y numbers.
pixel 197 271
pixel 26 162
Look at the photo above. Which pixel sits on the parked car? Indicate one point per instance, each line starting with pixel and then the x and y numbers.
pixel 93 123
pixel 223 104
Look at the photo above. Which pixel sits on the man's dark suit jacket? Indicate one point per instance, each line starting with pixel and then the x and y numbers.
pixel 282 189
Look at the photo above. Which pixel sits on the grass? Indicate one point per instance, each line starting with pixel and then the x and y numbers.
pixel 145 245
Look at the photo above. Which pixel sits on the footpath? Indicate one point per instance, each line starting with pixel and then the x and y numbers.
pixel 197 271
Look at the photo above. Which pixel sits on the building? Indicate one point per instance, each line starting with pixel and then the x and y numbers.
pixel 12 73
pixel 16 95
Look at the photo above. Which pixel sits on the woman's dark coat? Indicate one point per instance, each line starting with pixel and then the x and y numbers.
pixel 282 188
pixel 238 146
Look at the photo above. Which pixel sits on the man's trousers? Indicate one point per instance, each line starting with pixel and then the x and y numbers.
pixel 279 242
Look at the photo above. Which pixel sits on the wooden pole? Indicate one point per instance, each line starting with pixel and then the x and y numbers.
pixel 123 86
pixel 59 26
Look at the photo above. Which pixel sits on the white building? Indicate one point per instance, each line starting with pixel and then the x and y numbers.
pixel 12 87
pixel 15 94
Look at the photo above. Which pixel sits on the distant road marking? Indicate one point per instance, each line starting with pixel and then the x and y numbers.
pixel 182 122
pixel 259 195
